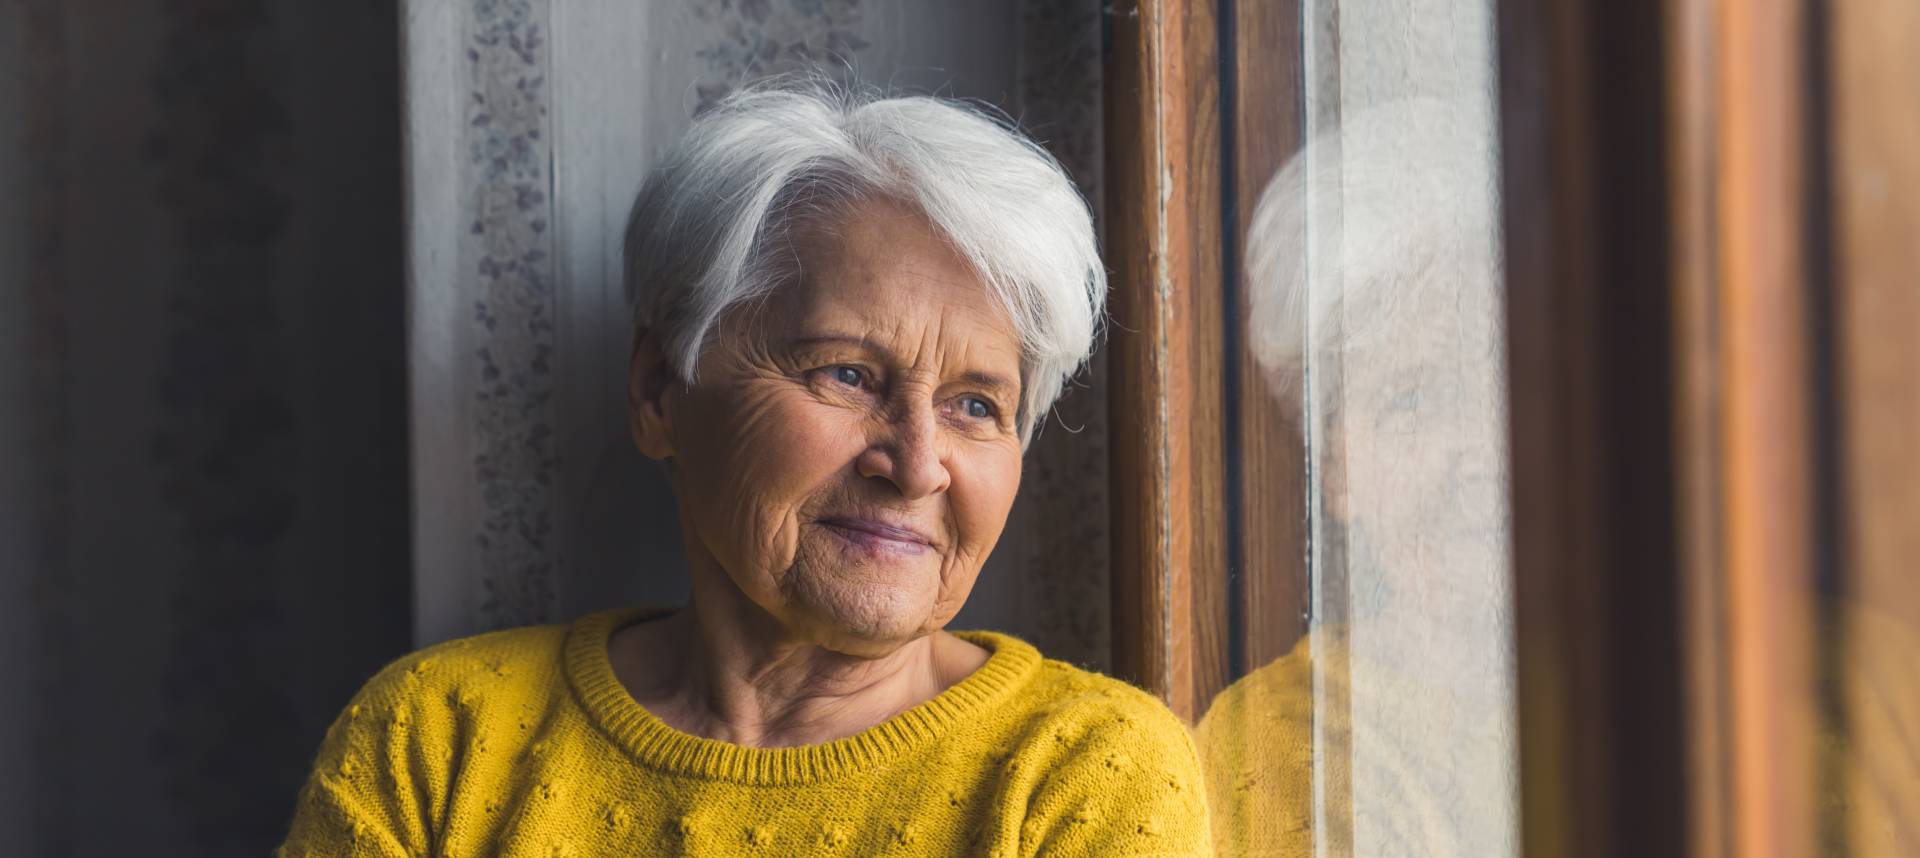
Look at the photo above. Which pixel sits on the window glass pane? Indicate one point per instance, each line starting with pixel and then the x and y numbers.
pixel 1373 267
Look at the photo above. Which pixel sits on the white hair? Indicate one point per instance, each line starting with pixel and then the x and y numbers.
pixel 708 226
pixel 1396 209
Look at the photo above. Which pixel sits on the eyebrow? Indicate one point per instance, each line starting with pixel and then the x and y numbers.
pixel 993 381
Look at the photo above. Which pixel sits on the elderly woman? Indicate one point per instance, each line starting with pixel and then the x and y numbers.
pixel 850 316
pixel 1404 690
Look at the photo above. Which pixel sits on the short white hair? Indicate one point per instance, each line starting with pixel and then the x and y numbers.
pixel 709 226
pixel 1397 209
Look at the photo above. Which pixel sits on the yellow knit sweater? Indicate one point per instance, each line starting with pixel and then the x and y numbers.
pixel 523 742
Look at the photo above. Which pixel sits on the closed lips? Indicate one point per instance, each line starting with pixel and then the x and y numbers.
pixel 878 529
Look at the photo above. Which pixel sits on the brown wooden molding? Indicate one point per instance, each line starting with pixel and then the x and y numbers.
pixel 1667 272
pixel 1163 244
pixel 1766 434
pixel 1267 129
pixel 1872 207
pixel 1589 248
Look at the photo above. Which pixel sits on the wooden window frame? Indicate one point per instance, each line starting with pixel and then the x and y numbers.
pixel 1711 383
pixel 1163 221
pixel 1191 425
pixel 1708 371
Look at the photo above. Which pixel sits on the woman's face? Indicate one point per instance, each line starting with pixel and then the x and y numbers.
pixel 849 452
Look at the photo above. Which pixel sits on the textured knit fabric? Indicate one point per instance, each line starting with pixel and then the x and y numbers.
pixel 1382 792
pixel 1256 745
pixel 523 742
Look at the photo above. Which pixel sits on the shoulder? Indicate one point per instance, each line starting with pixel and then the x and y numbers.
pixel 1117 771
pixel 392 753
pixel 1275 696
pixel 1063 700
pixel 1256 749
pixel 1110 709
pixel 1062 712
pixel 458 672
pixel 434 697
pixel 1114 732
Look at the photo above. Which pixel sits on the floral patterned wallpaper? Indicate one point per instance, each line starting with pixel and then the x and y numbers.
pixel 751 39
pixel 509 253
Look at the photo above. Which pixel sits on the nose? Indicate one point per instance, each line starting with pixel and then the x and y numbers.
pixel 910 454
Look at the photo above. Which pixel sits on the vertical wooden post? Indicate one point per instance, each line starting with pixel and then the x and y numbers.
pixel 1267 129
pixel 1665 272
pixel 1873 179
pixel 1766 442
pixel 1163 234
pixel 1591 359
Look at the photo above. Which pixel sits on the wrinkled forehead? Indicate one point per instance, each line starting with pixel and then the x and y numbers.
pixel 881 272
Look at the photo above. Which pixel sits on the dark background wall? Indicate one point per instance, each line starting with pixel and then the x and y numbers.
pixel 202 408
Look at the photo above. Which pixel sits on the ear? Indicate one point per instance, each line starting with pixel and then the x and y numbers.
pixel 649 380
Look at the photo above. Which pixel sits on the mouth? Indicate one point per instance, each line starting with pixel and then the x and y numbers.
pixel 877 535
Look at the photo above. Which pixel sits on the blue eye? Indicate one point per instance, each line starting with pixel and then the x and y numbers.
pixel 978 408
pixel 847 375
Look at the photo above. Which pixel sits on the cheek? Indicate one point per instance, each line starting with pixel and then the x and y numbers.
pixel 785 440
pixel 984 486
pixel 754 464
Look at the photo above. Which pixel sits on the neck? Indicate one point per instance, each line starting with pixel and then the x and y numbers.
pixel 723 669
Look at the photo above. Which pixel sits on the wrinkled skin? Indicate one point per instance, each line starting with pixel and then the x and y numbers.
pixel 883 387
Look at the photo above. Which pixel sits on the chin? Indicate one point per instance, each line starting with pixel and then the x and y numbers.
pixel 860 617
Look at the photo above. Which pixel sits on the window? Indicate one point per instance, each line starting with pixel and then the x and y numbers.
pixel 1505 413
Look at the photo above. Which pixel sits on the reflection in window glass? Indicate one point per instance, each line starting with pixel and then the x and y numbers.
pixel 1406 427
pixel 1373 267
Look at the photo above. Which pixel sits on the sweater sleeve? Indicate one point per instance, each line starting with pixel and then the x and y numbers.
pixel 368 792
pixel 1130 786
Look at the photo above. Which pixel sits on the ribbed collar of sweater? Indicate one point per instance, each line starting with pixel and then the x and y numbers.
pixel 653 743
